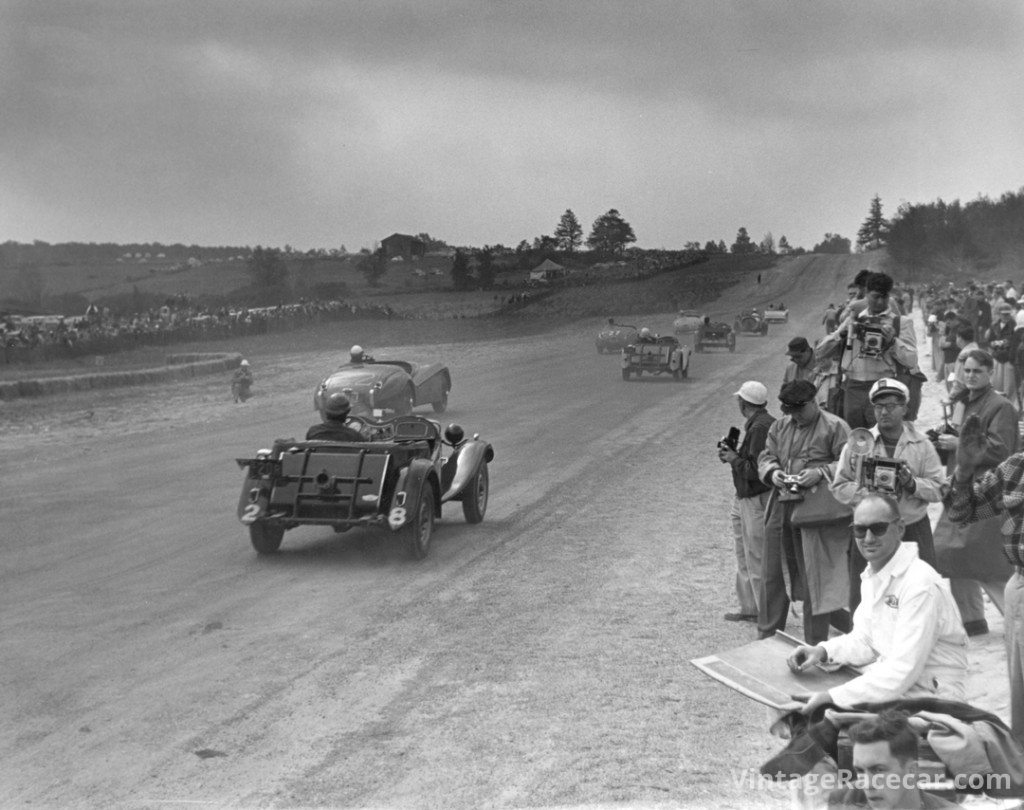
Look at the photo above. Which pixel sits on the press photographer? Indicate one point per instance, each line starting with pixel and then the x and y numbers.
pixel 893 459
pixel 873 343
pixel 748 505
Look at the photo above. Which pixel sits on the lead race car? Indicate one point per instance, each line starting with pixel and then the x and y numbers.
pixel 656 355
pixel 397 480
pixel 388 385
pixel 615 337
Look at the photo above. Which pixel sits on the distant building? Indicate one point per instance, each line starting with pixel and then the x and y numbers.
pixel 401 244
pixel 546 271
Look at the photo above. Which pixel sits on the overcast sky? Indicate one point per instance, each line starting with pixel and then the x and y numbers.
pixel 318 124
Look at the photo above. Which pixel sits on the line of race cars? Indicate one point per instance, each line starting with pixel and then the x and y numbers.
pixel 668 354
pixel 396 479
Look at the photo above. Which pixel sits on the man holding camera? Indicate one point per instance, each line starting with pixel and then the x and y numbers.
pixel 802 450
pixel 751 495
pixel 874 343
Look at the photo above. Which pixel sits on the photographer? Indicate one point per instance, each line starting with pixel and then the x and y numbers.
pixel 801 451
pixel 874 343
pixel 916 482
pixel 751 496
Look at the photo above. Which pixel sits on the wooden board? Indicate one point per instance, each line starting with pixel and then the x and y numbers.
pixel 758 670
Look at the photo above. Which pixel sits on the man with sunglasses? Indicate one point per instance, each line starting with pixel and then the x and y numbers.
pixel 920 477
pixel 805 443
pixel 907 634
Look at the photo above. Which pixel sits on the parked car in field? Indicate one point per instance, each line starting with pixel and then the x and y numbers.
pixel 397 481
pixel 389 385
pixel 751 321
pixel 615 337
pixel 776 313
pixel 715 333
pixel 687 322
pixel 660 355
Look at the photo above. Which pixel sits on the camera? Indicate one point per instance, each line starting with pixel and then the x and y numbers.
pixel 731 440
pixel 790 489
pixel 881 474
pixel 933 437
pixel 872 339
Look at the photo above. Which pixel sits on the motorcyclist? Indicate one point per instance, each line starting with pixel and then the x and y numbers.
pixel 334 410
pixel 241 382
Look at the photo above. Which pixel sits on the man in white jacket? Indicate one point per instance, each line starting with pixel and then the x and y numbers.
pixel 907 632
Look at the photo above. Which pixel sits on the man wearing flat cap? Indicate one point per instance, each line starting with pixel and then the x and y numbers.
pixel 806 443
pixel 920 478
pixel 801 365
pixel 751 497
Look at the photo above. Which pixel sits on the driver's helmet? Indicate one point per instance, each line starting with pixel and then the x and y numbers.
pixel 244 364
pixel 335 405
pixel 645 333
pixel 356 354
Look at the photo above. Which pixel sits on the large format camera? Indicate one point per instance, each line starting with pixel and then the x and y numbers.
pixel 869 332
pixel 731 440
pixel 882 475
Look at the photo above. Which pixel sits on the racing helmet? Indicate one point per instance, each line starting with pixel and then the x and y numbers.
pixel 356 353
pixel 244 364
pixel 335 405
pixel 645 333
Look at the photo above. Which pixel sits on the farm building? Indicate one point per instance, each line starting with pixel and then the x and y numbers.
pixel 403 245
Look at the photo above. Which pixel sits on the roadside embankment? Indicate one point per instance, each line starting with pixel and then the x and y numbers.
pixel 177 367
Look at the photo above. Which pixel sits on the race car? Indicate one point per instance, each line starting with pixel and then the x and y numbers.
pixel 394 386
pixel 751 320
pixel 615 337
pixel 660 355
pixel 687 322
pixel 715 333
pixel 397 480
pixel 776 313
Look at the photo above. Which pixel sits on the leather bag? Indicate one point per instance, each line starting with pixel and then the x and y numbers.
pixel 819 508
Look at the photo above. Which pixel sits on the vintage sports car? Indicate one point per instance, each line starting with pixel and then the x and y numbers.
pixel 751 320
pixel 662 355
pixel 389 385
pixel 715 333
pixel 615 337
pixel 776 313
pixel 398 480
pixel 687 322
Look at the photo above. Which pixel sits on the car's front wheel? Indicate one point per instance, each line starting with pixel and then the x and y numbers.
pixel 265 537
pixel 474 499
pixel 418 531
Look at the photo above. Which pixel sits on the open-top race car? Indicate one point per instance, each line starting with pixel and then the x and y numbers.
pixel 751 320
pixel 776 313
pixel 687 322
pixel 715 333
pixel 397 480
pixel 659 355
pixel 615 337
pixel 389 385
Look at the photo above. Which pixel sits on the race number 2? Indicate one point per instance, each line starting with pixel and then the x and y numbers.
pixel 251 512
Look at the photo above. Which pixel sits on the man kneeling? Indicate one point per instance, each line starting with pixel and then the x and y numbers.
pixel 907 632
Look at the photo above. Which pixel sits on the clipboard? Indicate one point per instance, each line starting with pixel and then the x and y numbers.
pixel 758 671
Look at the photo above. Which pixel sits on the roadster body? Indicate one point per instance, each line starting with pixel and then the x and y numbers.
pixel 687 322
pixel 715 333
pixel 776 314
pixel 389 385
pixel 663 355
pixel 398 480
pixel 752 321
pixel 615 337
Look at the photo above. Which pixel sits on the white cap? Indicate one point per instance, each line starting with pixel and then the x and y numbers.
pixel 887 385
pixel 356 350
pixel 933 318
pixel 244 363
pixel 753 392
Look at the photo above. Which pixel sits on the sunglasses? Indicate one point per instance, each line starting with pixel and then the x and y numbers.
pixel 860 530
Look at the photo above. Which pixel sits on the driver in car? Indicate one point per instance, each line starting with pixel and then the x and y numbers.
pixel 356 356
pixel 334 411
pixel 646 336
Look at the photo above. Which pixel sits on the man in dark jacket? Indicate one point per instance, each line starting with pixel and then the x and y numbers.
pixel 334 409
pixel 751 497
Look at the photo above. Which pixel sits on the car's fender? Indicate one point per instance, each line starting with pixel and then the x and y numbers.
pixel 462 466
pixel 409 489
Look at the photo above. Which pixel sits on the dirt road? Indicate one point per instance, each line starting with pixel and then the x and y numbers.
pixel 150 659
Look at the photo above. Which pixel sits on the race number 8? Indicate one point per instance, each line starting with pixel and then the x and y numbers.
pixel 396 517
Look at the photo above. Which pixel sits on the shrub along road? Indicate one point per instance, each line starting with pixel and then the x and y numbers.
pixel 540 658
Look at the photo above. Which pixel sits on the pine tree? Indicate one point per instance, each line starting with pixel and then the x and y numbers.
pixel 610 233
pixel 569 232
pixel 873 233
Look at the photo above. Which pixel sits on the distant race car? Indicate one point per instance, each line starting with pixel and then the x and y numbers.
pixel 661 355
pixel 615 337
pixel 687 322
pixel 751 320
pixel 776 313
pixel 715 333
pixel 394 386
pixel 397 480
